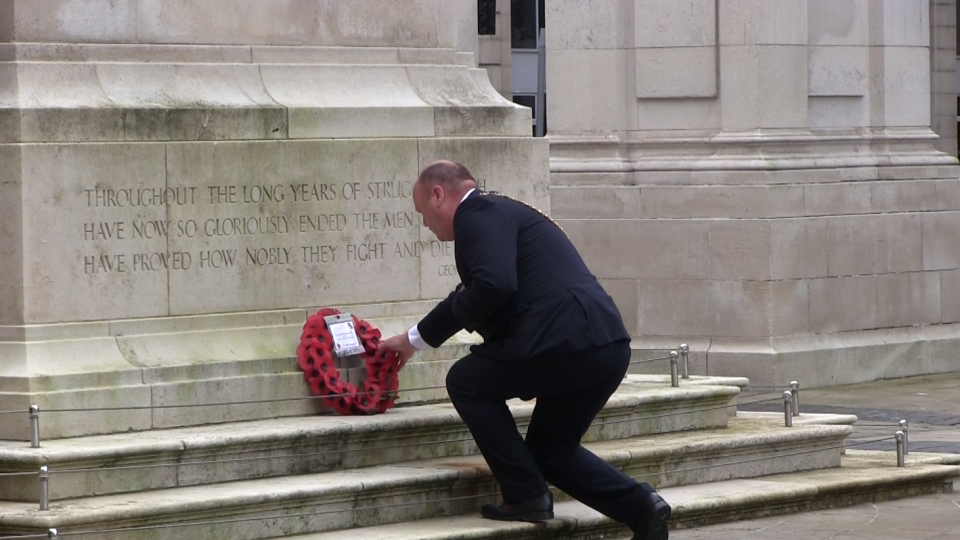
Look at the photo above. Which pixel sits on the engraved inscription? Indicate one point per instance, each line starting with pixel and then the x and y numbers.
pixel 323 223
pixel 105 264
pixel 218 258
pixel 314 192
pixel 140 197
pixel 151 229
pixel 322 254
pixel 246 226
pixel 153 262
pixel 103 231
pixel 254 226
pixel 269 256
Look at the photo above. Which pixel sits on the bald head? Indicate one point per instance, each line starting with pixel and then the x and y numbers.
pixel 450 175
pixel 437 194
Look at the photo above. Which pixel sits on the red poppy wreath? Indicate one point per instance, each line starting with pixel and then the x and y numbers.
pixel 315 357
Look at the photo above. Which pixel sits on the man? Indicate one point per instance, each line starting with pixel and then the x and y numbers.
pixel 550 332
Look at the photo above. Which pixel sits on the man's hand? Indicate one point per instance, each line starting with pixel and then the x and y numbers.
pixel 400 344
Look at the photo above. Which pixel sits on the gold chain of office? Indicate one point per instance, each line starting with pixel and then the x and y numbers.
pixel 530 206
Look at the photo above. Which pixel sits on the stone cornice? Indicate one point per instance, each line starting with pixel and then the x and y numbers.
pixel 751 150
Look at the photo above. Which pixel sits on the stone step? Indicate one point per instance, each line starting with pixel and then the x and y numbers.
pixel 304 445
pixel 385 494
pixel 863 477
pixel 257 374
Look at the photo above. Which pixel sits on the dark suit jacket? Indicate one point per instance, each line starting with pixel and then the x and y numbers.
pixel 524 287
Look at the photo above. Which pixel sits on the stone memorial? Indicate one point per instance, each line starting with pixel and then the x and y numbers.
pixel 183 182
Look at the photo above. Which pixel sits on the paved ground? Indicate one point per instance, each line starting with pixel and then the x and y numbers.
pixel 931 405
pixel 920 518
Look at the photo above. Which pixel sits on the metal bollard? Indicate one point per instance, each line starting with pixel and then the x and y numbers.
pixel 34 426
pixel 685 351
pixel 900 445
pixel 44 489
pixel 52 534
pixel 906 437
pixel 787 409
pixel 795 390
pixel 674 382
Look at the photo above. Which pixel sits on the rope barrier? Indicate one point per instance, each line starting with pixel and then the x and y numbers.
pixel 328 452
pixel 861 443
pixel 9 474
pixel 649 360
pixel 12 411
pixel 250 402
pixel 25 537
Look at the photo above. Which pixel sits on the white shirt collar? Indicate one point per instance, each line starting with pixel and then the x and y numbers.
pixel 467 194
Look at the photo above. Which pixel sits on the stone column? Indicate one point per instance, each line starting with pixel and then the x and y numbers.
pixel 758 178
pixel 494 52
pixel 943 77
pixel 182 182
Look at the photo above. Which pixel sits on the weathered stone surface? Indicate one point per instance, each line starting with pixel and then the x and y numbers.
pixel 827 207
pixel 677 72
pixel 837 71
pixel 289 446
pixel 233 227
pixel 606 24
pixel 589 202
pixel 838 23
pixel 831 359
pixel 581 107
pixel 740 249
pixel 422 23
pixel 11 236
pixel 950 296
pixel 433 487
pixel 643 249
pixel 182 183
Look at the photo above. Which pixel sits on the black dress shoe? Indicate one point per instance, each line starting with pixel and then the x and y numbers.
pixel 539 509
pixel 653 520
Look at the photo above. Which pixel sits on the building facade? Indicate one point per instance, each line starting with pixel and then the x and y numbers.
pixel 773 182
pixel 761 178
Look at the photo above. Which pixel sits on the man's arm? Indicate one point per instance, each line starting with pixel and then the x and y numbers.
pixel 437 327
pixel 487 245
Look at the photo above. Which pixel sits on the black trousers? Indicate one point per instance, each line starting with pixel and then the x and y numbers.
pixel 570 391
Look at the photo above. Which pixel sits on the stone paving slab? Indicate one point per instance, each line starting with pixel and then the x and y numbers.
pixel 931 403
pixel 929 517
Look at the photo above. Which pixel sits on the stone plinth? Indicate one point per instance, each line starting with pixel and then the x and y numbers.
pixel 183 183
pixel 759 178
